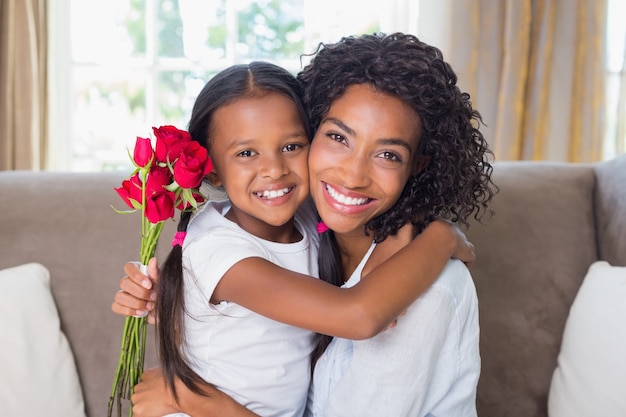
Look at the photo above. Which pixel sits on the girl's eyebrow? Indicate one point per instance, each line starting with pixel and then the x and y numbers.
pixel 383 141
pixel 243 142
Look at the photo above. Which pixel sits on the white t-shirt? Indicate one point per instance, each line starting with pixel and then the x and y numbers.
pixel 261 363
pixel 428 365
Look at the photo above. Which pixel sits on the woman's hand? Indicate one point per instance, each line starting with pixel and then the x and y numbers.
pixel 138 291
pixel 152 398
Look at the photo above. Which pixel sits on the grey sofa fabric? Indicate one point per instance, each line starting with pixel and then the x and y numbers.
pixel 551 222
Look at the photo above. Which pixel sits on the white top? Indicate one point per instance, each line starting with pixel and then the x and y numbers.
pixel 428 365
pixel 261 363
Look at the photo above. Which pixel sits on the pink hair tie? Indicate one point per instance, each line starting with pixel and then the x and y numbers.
pixel 179 238
pixel 321 228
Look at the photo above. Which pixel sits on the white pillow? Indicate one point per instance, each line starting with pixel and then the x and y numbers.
pixel 38 375
pixel 590 378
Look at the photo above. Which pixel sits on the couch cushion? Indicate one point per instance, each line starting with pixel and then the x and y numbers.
pixel 39 376
pixel 591 375
pixel 532 257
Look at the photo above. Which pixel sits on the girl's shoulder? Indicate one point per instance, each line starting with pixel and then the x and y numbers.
pixel 210 221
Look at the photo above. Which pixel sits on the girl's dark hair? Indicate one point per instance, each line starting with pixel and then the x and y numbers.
pixel 456 182
pixel 236 82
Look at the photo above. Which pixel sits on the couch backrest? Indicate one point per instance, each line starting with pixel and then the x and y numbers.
pixel 532 257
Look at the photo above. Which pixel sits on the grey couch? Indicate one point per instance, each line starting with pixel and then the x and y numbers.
pixel 552 221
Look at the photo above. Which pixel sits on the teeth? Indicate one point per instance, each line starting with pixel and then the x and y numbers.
pixel 273 193
pixel 348 201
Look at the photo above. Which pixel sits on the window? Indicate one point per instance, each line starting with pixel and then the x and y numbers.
pixel 615 137
pixel 122 66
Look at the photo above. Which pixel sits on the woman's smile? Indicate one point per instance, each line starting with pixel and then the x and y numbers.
pixel 348 199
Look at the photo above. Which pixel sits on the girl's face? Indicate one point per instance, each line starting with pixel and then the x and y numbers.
pixel 259 149
pixel 361 157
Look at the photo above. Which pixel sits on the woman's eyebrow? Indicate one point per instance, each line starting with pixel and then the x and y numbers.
pixel 396 142
pixel 383 141
pixel 340 124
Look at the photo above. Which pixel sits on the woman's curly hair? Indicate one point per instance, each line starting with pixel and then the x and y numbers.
pixel 456 183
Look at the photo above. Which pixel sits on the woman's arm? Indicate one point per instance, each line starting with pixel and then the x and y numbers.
pixel 355 313
pixel 152 398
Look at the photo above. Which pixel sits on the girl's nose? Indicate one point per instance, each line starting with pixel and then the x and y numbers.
pixel 273 166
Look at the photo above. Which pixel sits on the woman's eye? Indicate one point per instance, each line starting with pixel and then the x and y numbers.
pixel 336 137
pixel 391 156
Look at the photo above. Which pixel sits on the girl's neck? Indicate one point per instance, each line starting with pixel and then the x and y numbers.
pixel 353 248
pixel 285 233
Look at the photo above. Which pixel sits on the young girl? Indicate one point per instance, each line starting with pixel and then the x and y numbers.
pixel 382 106
pixel 225 276
pixel 251 119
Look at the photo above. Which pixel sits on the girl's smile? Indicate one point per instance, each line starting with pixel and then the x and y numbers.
pixel 275 196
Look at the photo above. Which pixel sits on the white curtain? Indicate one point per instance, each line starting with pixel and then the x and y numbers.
pixel 615 140
pixel 535 69
pixel 22 84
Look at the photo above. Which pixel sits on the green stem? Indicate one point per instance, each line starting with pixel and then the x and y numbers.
pixel 133 346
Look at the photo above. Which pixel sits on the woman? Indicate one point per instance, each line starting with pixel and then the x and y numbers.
pixel 396 142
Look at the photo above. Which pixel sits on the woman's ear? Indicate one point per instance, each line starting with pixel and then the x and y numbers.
pixel 214 179
pixel 421 164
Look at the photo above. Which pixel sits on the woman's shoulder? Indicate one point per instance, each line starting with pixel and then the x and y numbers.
pixel 455 287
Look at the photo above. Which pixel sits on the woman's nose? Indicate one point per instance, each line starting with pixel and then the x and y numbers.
pixel 356 172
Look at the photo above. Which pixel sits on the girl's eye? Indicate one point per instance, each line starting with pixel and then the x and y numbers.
pixel 292 147
pixel 390 156
pixel 247 153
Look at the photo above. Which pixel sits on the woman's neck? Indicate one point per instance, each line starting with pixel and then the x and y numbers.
pixel 353 248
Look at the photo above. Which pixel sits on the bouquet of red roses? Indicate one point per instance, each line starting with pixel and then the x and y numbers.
pixel 166 177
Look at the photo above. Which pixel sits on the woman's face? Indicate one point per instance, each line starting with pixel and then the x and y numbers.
pixel 361 157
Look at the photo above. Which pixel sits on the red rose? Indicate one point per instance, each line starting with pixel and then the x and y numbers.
pixel 160 206
pixel 169 142
pixel 131 190
pixel 193 165
pixel 158 177
pixel 143 152
pixel 184 205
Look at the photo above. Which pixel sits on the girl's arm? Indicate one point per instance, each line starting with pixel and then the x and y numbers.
pixel 359 312
pixel 356 313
